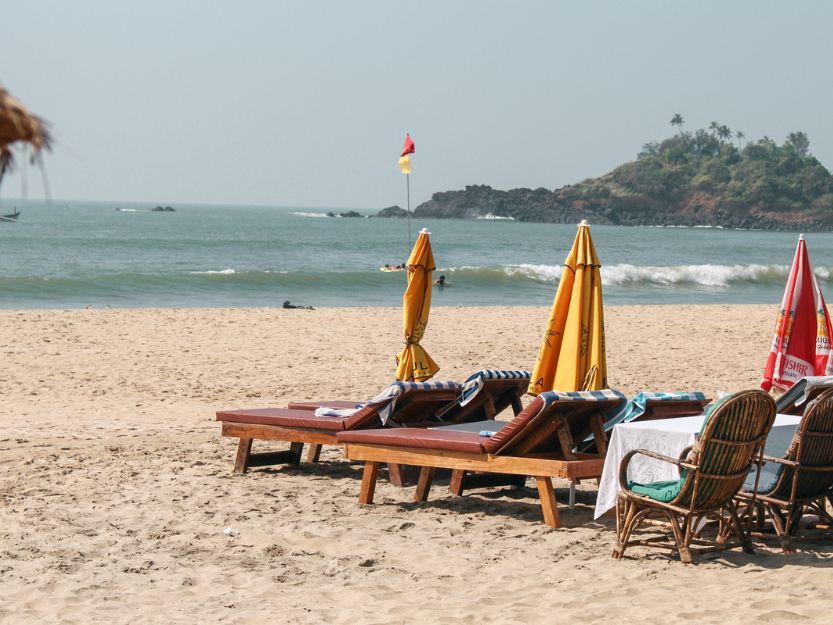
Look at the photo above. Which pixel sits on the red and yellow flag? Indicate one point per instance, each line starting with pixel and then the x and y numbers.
pixel 404 159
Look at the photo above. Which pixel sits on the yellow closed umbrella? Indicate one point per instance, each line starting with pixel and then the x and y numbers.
pixel 572 354
pixel 413 363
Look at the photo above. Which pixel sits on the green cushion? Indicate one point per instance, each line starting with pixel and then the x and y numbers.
pixel 658 491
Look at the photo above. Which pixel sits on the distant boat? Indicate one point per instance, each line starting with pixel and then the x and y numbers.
pixel 12 217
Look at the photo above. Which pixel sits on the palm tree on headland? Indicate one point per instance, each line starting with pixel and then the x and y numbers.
pixel 677 121
pixel 740 135
pixel 724 132
pixel 714 127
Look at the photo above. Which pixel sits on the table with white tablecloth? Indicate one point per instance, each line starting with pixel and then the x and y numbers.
pixel 669 437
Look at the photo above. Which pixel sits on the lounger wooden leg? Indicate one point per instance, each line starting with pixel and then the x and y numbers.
pixel 314 453
pixel 397 476
pixel 455 486
pixel 548 505
pixel 371 472
pixel 426 476
pixel 244 448
pixel 295 451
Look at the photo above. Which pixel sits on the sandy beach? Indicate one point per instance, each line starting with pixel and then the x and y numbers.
pixel 117 487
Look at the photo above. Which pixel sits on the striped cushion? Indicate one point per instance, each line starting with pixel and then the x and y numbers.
pixel 604 394
pixel 389 397
pixel 476 381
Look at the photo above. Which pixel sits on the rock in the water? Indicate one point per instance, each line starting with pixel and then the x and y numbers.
pixel 393 212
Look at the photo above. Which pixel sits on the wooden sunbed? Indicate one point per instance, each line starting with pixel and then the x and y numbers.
pixel 539 442
pixel 416 406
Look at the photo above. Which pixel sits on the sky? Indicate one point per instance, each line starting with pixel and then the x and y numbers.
pixel 306 103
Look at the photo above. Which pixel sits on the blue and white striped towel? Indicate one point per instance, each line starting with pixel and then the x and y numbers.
pixel 389 395
pixel 637 405
pixel 475 382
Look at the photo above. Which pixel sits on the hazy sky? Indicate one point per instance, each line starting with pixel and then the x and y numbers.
pixel 307 103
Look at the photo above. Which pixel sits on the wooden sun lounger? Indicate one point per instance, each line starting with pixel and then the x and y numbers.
pixel 414 407
pixel 539 442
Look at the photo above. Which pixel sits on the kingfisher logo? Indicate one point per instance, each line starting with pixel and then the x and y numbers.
pixel 795 369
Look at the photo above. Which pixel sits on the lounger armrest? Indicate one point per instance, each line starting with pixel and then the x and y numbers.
pixel 623 466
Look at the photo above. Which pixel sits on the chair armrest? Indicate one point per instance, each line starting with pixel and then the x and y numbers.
pixel 623 466
pixel 784 461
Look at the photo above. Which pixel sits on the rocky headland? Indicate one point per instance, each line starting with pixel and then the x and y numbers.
pixel 690 179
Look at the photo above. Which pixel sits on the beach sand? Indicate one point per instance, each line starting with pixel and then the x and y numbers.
pixel 116 485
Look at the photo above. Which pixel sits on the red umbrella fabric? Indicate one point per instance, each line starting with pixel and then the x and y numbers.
pixel 801 342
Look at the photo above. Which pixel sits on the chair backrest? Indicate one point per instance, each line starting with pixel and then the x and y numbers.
pixel 535 429
pixel 487 393
pixel 405 403
pixel 812 449
pixel 733 433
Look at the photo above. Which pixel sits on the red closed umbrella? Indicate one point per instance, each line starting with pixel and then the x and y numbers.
pixel 801 342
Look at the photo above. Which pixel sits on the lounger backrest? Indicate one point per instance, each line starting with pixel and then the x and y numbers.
pixel 405 403
pixel 800 394
pixel 535 429
pixel 812 448
pixel 487 393
pixel 733 433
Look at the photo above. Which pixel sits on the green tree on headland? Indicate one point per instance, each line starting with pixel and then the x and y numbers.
pixel 698 177
pixel 677 121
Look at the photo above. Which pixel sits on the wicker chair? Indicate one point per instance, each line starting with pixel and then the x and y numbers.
pixel 804 478
pixel 711 474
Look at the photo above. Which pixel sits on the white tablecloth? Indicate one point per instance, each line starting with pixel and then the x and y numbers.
pixel 668 437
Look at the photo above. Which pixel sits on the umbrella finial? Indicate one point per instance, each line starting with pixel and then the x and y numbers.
pixel 424 231
pixel 801 237
pixel 584 222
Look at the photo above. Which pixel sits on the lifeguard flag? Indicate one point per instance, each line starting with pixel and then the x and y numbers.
pixel 404 159
pixel 801 341
pixel 409 146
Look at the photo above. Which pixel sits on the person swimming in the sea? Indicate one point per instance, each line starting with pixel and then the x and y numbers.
pixel 440 282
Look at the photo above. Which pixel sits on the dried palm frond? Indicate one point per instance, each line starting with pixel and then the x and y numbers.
pixel 18 124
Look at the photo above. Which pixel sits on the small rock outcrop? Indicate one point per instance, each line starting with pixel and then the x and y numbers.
pixel 393 212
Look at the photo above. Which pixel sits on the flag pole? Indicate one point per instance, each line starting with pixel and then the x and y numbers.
pixel 408 187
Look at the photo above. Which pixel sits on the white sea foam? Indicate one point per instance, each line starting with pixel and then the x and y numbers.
pixel 220 272
pixel 492 216
pixel 303 214
pixel 625 274
pixel 706 275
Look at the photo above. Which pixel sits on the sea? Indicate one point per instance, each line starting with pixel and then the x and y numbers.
pixel 74 254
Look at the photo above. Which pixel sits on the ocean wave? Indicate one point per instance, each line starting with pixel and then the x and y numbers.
pixel 305 214
pixel 222 272
pixel 628 275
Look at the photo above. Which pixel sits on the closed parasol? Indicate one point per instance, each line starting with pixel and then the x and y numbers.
pixel 801 341
pixel 572 353
pixel 413 363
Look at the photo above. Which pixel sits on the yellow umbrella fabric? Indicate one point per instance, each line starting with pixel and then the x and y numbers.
pixel 572 354
pixel 413 362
